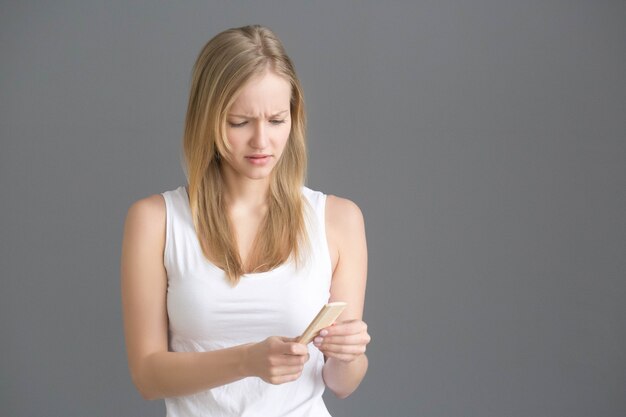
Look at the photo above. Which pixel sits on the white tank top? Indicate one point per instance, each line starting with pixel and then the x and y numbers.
pixel 207 313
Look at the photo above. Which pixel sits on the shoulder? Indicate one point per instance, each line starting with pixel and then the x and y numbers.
pixel 146 216
pixel 342 210
pixel 152 207
pixel 343 216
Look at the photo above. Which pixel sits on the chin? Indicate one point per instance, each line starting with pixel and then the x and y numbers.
pixel 256 175
pixel 253 173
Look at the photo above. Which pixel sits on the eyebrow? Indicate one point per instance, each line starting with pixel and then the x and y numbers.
pixel 250 117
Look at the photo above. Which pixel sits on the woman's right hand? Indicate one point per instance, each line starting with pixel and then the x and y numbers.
pixel 276 360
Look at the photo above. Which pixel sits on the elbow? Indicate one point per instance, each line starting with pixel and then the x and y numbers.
pixel 342 392
pixel 148 395
pixel 143 385
pixel 342 395
pixel 146 392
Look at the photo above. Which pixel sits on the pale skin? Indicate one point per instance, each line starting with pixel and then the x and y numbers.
pixel 258 128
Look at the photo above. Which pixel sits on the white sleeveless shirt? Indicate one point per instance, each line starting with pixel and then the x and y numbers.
pixel 206 313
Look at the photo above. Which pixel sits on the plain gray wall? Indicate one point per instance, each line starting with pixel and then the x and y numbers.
pixel 485 142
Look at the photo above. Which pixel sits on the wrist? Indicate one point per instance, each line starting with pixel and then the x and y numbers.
pixel 245 368
pixel 341 377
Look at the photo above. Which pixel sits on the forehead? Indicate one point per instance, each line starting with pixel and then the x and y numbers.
pixel 263 94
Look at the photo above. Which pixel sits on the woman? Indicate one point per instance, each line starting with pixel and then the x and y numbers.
pixel 220 277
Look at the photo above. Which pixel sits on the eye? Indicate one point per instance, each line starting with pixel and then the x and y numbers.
pixel 277 122
pixel 237 124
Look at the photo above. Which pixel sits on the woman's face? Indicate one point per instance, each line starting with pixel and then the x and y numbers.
pixel 258 126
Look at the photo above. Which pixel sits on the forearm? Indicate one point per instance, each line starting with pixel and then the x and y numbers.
pixel 172 374
pixel 342 378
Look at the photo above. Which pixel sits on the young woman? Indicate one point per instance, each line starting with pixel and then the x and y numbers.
pixel 221 276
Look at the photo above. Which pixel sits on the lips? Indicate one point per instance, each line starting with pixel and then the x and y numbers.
pixel 259 159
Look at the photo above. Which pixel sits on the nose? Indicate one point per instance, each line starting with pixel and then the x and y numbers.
pixel 260 137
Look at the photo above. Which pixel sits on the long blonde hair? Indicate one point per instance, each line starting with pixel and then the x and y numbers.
pixel 224 65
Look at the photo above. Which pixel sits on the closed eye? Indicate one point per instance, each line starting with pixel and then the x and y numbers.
pixel 237 124
pixel 277 122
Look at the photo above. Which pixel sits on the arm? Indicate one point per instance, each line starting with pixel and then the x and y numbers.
pixel 155 371
pixel 344 343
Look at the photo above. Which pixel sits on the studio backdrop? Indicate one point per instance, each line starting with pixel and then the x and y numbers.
pixel 484 141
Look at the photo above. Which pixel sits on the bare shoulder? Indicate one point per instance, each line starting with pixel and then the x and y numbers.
pixel 342 215
pixel 143 244
pixel 153 205
pixel 146 217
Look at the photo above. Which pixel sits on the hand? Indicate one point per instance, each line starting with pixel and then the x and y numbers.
pixel 345 341
pixel 276 360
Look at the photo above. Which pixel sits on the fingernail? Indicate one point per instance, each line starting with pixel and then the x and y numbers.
pixel 323 332
pixel 318 340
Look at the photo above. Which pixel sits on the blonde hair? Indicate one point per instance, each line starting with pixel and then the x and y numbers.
pixel 224 65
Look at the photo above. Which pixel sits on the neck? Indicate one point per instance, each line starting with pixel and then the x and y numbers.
pixel 245 193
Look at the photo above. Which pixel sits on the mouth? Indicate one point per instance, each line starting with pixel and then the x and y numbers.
pixel 258 159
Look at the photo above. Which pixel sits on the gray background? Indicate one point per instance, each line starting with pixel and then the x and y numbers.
pixel 485 142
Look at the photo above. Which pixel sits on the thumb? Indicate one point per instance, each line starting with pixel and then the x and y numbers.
pixel 292 346
pixel 288 339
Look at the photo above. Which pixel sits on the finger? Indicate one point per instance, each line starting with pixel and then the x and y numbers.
pixel 353 339
pixel 345 328
pixel 289 339
pixel 288 345
pixel 344 357
pixel 293 348
pixel 284 378
pixel 292 360
pixel 328 348
pixel 356 339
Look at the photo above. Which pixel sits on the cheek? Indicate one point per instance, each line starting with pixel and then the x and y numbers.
pixel 235 137
pixel 284 134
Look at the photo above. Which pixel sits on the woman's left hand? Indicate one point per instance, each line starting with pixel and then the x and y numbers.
pixel 345 341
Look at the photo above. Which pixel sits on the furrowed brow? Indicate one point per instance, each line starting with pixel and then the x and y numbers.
pixel 243 116
pixel 280 113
